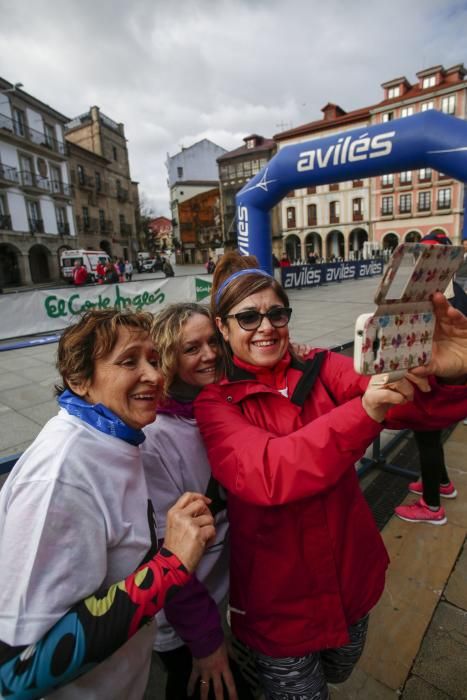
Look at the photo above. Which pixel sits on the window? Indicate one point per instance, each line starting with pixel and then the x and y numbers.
pixel 5 220
pixel 387 180
pixel 49 134
pixel 406 112
pixel 98 182
pixel 357 183
pixel 387 117
pixel 81 176
pixel 114 153
pixel 180 172
pixel 247 168
pixel 239 170
pixel 311 190
pixel 427 105
pixel 291 193
pixel 334 212
pixel 251 143
pixel 444 198
pixel 255 166
pixel 448 104
pixel 311 215
pixel 333 187
pixel 119 186
pixel 62 221
pixel 394 92
pixel 424 201
pixel 34 216
pixel 27 171
pixel 19 122
pixel 405 203
pixel 405 178
pixel 429 81
pixel 55 178
pixel 86 220
pixel 386 206
pixel 357 209
pixel 101 220
pixel 424 174
pixel 290 217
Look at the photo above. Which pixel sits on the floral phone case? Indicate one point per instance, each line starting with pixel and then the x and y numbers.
pixel 399 334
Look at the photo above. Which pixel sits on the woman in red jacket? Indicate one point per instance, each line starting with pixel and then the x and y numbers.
pixel 283 436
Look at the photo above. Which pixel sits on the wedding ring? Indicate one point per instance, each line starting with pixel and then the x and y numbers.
pixel 203 682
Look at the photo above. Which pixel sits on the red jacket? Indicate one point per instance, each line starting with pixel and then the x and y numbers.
pixel 307 559
pixel 80 275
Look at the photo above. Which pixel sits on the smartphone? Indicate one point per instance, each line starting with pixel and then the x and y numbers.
pixel 399 334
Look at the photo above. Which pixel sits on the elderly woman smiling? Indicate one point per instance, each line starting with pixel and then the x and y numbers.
pixel 75 519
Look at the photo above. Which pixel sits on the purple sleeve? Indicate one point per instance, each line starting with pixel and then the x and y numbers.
pixel 193 614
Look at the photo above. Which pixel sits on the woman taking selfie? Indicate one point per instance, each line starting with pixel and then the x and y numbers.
pixel 76 522
pixel 282 437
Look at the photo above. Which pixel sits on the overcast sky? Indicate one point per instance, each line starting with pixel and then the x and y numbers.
pixel 176 71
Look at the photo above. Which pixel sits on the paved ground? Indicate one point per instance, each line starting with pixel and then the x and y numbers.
pixel 417 644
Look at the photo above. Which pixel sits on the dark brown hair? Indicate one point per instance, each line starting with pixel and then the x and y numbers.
pixel 239 289
pixel 91 338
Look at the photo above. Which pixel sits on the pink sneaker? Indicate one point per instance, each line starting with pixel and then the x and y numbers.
pixel 418 512
pixel 448 491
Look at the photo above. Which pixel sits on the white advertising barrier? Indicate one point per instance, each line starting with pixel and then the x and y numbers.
pixel 45 310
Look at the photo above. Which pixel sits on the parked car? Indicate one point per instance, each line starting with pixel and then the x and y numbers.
pixel 151 265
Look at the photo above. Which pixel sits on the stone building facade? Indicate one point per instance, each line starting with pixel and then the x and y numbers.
pixel 36 214
pixel 104 191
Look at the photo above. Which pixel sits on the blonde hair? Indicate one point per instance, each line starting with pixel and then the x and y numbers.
pixel 167 334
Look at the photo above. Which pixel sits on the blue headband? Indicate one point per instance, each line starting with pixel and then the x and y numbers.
pixel 239 273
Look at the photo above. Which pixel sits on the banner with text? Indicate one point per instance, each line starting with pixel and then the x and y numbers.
pixel 45 310
pixel 298 276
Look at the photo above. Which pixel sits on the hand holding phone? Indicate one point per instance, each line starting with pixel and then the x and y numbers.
pixel 398 335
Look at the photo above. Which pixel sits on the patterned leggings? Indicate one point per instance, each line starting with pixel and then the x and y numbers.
pixel 307 677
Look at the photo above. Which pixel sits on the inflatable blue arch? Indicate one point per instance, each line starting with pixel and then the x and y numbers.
pixel 428 140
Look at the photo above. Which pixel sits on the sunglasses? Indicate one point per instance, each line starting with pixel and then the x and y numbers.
pixel 251 320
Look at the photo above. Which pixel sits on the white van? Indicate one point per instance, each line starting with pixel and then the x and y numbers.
pixel 88 258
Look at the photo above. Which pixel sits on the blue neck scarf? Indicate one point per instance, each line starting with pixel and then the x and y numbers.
pixel 100 417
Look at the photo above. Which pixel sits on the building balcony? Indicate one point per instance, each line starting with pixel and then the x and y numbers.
pixel 334 219
pixel 5 222
pixel 85 182
pixel 106 226
pixel 357 216
pixel 31 181
pixel 36 225
pixel 61 189
pixel 125 230
pixel 63 228
pixel 122 195
pixel 38 138
pixel 86 225
pixel 8 175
